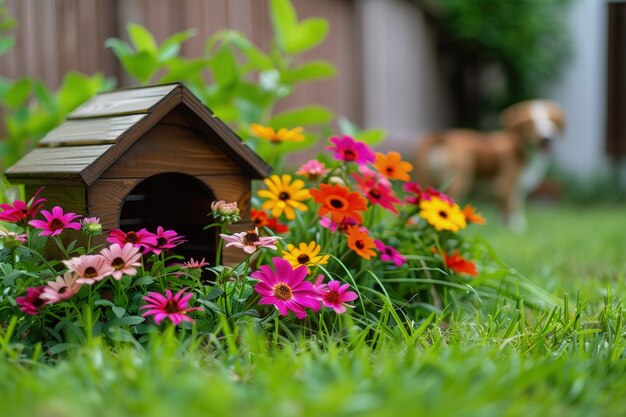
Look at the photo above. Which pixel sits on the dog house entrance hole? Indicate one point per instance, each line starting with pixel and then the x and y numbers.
pixel 176 202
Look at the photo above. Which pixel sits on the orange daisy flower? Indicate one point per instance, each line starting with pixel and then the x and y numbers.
pixel 277 136
pixel 472 216
pixel 259 217
pixel 361 242
pixel 338 201
pixel 392 166
pixel 458 264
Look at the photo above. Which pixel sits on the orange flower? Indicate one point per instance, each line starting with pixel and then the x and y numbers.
pixel 360 242
pixel 339 201
pixel 392 166
pixel 280 136
pixel 458 264
pixel 472 216
pixel 259 217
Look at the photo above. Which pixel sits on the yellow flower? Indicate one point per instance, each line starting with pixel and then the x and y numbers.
pixel 284 196
pixel 442 215
pixel 305 254
pixel 280 136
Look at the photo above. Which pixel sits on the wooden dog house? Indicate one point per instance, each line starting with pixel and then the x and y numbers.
pixel 145 157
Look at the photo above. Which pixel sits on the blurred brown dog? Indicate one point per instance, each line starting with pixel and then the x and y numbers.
pixel 514 159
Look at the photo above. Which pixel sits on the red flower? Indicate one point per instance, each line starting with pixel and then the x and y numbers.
pixel 21 212
pixel 32 301
pixel 141 238
pixel 377 192
pixel 458 264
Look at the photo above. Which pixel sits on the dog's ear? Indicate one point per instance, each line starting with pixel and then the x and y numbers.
pixel 523 116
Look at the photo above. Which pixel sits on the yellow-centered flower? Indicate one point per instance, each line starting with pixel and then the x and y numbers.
pixel 442 215
pixel 280 136
pixel 305 254
pixel 284 196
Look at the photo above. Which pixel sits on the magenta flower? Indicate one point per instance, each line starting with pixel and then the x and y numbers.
pixel 20 211
pixel 334 295
pixel 313 170
pixel 91 226
pixel 389 253
pixel 431 192
pixel 63 288
pixel 193 264
pixel 32 302
pixel 55 222
pixel 349 150
pixel 89 268
pixel 377 192
pixel 327 223
pixel 173 307
pixel 139 239
pixel 123 260
pixel 416 194
pixel 370 173
pixel 250 241
pixel 285 288
pixel 165 240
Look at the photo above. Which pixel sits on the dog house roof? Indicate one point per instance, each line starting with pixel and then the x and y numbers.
pixel 98 133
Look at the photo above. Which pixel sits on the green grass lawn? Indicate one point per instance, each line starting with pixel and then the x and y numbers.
pixel 508 361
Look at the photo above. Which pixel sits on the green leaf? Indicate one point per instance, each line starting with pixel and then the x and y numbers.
pixel 171 46
pixel 62 347
pixel 372 137
pixel 309 71
pixel 18 93
pixel 118 311
pixel 283 18
pixel 141 38
pixel 308 34
pixel 75 89
pixel 141 65
pixel 119 47
pixel 304 116
pixel 256 57
pixel 224 67
pixel 126 321
pixel 6 43
pixel 145 280
pixel 181 70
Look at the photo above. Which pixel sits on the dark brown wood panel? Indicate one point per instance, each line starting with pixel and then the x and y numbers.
pixel 616 80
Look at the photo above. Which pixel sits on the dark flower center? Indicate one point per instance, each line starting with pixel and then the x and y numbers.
pixel 284 196
pixel 56 224
pixel 336 203
pixel 283 292
pixel 375 194
pixel 359 244
pixel 349 155
pixel 443 214
pixel 388 252
pixel 118 263
pixel 38 302
pixel 332 297
pixel 303 258
pixel 250 238
pixel 131 237
pixel 62 290
pixel 389 170
pixel 171 307
pixel 90 272
pixel 161 241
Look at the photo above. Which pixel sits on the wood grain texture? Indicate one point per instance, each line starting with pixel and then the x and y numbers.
pixel 90 131
pixel 56 162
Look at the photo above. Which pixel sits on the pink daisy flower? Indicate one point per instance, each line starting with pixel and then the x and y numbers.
pixel 313 170
pixel 377 193
pixel 349 150
pixel 250 241
pixel 285 288
pixel 417 193
pixel 140 239
pixel 63 288
pixel 431 192
pixel 56 221
pixel 370 173
pixel 91 226
pixel 327 223
pixel 334 295
pixel 165 240
pixel 89 268
pixel 389 253
pixel 172 307
pixel 32 302
pixel 12 239
pixel 123 260
pixel 193 264
pixel 20 211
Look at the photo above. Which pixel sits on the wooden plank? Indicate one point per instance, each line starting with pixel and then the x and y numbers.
pixel 126 101
pixel 67 160
pixel 90 131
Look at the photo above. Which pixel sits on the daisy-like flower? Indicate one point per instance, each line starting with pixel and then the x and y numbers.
pixel 313 170
pixel 334 295
pixel 458 264
pixel 123 260
pixel 20 211
pixel 283 196
pixel 377 193
pixel 63 288
pixel 442 215
pixel 259 217
pixel 369 173
pixel 472 216
pixel 32 302
pixel 392 166
pixel 389 253
pixel 431 192
pixel 56 222
pixel 277 136
pixel 225 212
pixel 360 241
pixel 89 268
pixel 165 240
pixel 11 240
pixel 192 268
pixel 285 288
pixel 141 239
pixel 91 226
pixel 250 241
pixel 343 227
pixel 349 150
pixel 169 306
pixel 307 254
pixel 415 193
pixel 338 201
pixel 273 224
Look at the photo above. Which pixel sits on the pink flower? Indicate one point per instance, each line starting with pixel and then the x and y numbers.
pixel 12 239
pixel 91 226
pixel 165 240
pixel 370 173
pixel 348 150
pixel 89 268
pixel 225 212
pixel 55 222
pixel 62 289
pixel 21 212
pixel 173 307
pixel 415 189
pixel 377 193
pixel 250 241
pixel 139 239
pixel 431 192
pixel 122 259
pixel 192 264
pixel 334 295
pixel 32 302
pixel 389 253
pixel 327 223
pixel 313 170
pixel 285 288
